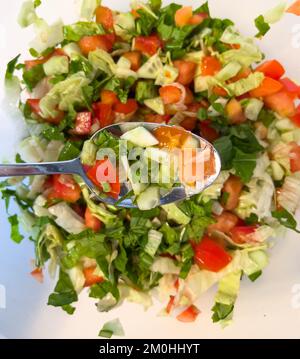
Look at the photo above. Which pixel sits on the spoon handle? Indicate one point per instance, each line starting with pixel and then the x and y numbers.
pixel 46 168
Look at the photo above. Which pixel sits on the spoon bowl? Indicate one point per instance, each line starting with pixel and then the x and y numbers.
pixel 75 167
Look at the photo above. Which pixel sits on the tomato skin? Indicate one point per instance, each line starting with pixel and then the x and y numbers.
pixel 130 106
pixel 296 118
pixel 186 70
pixel 104 114
pixel 268 87
pixel 233 187
pixel 295 158
pixel 135 58
pixel 110 172
pixel 83 123
pixel 281 103
pixel 170 94
pixel 291 88
pixel 109 97
pixel 225 222
pixel 90 277
pixel 155 118
pixel 91 221
pixel 242 234
pixel 208 132
pixel 148 44
pixel 210 65
pixel 64 188
pixel 94 42
pixel 210 255
pixel 235 112
pixel 170 304
pixel 271 68
pixel 189 315
pixel 104 16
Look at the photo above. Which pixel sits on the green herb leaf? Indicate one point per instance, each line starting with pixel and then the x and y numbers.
pixel 253 277
pixel 33 76
pixel 15 234
pixel 286 219
pixel 244 165
pixel 221 311
pixel 75 32
pixel 10 69
pixel 262 26
pixel 64 292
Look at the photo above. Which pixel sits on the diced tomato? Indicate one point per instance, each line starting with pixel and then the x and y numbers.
pixel 225 222
pixel 183 16
pixel 91 221
pixel 148 45
pixel 198 19
pixel 154 118
pixel 35 108
pixel 210 65
pixel 235 112
pixel 189 315
pixel 170 94
pixel 83 124
pixel 104 171
pixel 37 274
pixel 130 106
pixel 94 42
pixel 186 70
pixel 296 118
pixel 170 304
pixel 217 90
pixel 272 69
pixel 208 132
pixel 189 97
pixel 295 158
pixel 210 255
pixel 64 188
pixel 189 123
pixel 104 114
pixel 135 13
pixel 243 74
pixel 281 103
pixel 241 235
pixel 135 58
pixel 29 64
pixel 109 97
pixel 170 137
pixel 291 88
pixel 232 188
pixel 90 277
pixel 104 16
pixel 268 87
pixel 294 8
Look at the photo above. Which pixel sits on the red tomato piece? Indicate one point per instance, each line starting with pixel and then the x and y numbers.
pixel 189 315
pixel 224 223
pixel 294 8
pixel 210 255
pixel 94 42
pixel 29 64
pixel 170 94
pixel 35 108
pixel 65 189
pixel 233 188
pixel 183 16
pixel 198 19
pixel 296 118
pixel 291 87
pixel 104 114
pixel 37 274
pixel 154 118
pixel 241 235
pixel 135 58
pixel 210 65
pixel 104 16
pixel 90 277
pixel 268 87
pixel 83 123
pixel 148 45
pixel 271 68
pixel 109 97
pixel 170 304
pixel 281 103
pixel 217 90
pixel 189 123
pixel 91 221
pixel 130 106
pixel 208 132
pixel 104 171
pixel 235 112
pixel 295 158
pixel 186 70
pixel 170 137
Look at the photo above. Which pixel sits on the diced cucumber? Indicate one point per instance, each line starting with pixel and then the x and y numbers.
pixel 167 76
pixel 149 199
pixel 156 104
pixel 152 68
pixel 277 171
pixel 72 49
pixel 157 155
pixel 140 137
pixel 175 214
pixel 253 109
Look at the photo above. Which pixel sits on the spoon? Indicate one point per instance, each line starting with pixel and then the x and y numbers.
pixel 75 167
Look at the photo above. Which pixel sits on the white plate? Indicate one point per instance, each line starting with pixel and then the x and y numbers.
pixel 269 308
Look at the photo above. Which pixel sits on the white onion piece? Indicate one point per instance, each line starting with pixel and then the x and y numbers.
pixel 217 209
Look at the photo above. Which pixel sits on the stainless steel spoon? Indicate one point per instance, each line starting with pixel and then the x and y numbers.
pixel 75 167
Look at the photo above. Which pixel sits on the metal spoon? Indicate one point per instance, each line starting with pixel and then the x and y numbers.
pixel 75 167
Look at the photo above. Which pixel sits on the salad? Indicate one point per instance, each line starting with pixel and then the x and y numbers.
pixel 166 65
pixel 145 165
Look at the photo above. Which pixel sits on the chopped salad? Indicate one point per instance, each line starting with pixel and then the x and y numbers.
pixel 167 65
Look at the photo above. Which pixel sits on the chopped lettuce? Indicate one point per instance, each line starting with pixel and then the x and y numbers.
pixel 56 65
pixel 75 32
pixel 27 15
pixel 243 86
pixel 289 196
pixel 124 25
pixel 113 327
pixel 47 36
